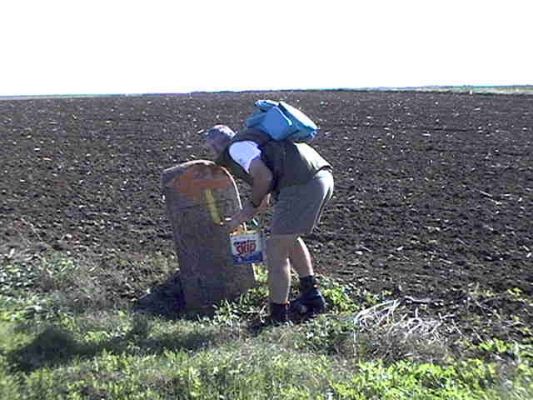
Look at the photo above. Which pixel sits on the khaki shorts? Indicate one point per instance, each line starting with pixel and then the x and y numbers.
pixel 298 208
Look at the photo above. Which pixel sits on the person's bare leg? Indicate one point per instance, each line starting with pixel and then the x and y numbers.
pixel 300 259
pixel 310 302
pixel 279 268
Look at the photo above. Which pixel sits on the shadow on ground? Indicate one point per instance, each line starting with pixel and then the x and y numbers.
pixel 165 300
pixel 56 346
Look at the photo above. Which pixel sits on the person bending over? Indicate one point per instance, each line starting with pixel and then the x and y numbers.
pixel 301 183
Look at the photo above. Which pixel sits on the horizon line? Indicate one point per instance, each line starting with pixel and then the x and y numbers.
pixel 355 89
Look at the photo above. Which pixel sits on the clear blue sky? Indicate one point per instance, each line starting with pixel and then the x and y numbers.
pixel 113 46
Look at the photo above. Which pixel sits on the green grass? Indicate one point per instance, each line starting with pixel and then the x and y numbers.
pixel 498 89
pixel 521 89
pixel 69 329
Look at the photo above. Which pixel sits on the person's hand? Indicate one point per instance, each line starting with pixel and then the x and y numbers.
pixel 231 224
pixel 242 216
pixel 265 204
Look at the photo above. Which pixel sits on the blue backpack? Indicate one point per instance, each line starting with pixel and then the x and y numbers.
pixel 282 122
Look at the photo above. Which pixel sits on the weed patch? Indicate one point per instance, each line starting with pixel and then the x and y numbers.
pixel 366 346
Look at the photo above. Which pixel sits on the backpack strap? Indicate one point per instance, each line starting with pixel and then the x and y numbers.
pixel 253 135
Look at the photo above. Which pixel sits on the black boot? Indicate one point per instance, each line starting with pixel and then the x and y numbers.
pixel 279 313
pixel 310 302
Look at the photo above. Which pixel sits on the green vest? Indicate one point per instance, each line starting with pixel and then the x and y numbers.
pixel 290 163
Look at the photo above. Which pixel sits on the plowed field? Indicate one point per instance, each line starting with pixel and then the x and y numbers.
pixel 433 201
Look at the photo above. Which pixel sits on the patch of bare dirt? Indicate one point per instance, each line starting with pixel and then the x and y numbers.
pixel 433 195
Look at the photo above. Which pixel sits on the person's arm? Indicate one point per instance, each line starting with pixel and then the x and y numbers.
pixel 262 181
pixel 261 186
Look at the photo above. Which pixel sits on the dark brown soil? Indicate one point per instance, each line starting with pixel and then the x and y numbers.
pixel 433 201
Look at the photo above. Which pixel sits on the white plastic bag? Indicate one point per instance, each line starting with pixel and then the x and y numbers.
pixel 247 247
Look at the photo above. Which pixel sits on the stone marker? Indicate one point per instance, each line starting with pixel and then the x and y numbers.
pixel 198 196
